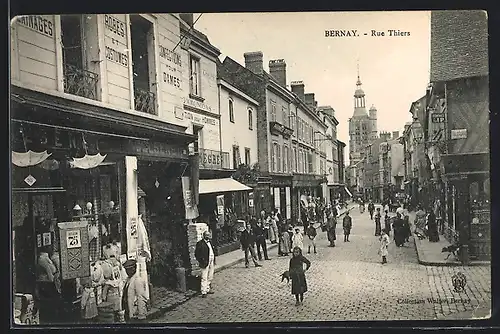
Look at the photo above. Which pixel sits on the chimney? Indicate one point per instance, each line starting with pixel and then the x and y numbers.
pixel 395 134
pixel 298 89
pixel 309 100
pixel 188 18
pixel 277 69
pixel 254 62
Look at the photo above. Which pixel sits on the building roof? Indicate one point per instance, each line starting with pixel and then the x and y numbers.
pixel 359 93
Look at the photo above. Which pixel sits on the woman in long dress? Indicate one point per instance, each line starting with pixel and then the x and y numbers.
pixel 432 227
pixel 297 274
pixel 284 245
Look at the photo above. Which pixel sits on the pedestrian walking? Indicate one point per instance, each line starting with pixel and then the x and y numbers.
pixel 204 254
pixel 384 243
pixel 298 239
pixel 347 225
pixel 297 274
pixel 269 223
pixel 247 240
pixel 260 240
pixel 387 223
pixel 399 232
pixel 420 220
pixel 432 227
pixel 311 238
pixel 386 207
pixel 371 209
pixel 134 299
pixel 378 226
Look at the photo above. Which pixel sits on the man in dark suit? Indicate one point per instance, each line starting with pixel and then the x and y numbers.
pixel 205 256
pixel 247 240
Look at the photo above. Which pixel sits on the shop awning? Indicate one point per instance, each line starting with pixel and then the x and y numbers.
pixel 221 185
pixel 348 192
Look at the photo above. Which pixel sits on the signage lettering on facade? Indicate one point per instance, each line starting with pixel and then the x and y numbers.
pixel 172 80
pixel 170 55
pixel 459 134
pixel 38 23
pixel 200 119
pixel 73 239
pixel 157 149
pixel 116 56
pixel 437 117
pixel 197 104
pixel 114 25
pixel 211 159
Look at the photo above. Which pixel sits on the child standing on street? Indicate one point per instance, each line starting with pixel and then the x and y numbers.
pixel 311 238
pixel 298 239
pixel 297 274
pixel 384 243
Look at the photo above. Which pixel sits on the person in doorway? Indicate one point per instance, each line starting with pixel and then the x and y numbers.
pixel 378 226
pixel 260 240
pixel 270 227
pixel 134 299
pixel 311 238
pixel 275 220
pixel 371 209
pixel 384 243
pixel 297 274
pixel 204 254
pixel 347 225
pixel 247 240
pixel 297 239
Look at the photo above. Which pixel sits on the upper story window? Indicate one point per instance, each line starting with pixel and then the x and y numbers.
pixel 231 110
pixel 143 63
pixel 250 119
pixel 278 158
pixel 194 76
pixel 273 112
pixel 236 157
pixel 293 123
pixel 247 156
pixel 295 160
pixel 274 160
pixel 285 159
pixel 286 118
pixel 78 80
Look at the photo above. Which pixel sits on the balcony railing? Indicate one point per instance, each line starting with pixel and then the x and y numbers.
pixel 211 159
pixel 144 101
pixel 80 82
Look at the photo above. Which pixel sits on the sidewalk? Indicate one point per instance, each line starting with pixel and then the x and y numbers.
pixel 166 300
pixel 429 253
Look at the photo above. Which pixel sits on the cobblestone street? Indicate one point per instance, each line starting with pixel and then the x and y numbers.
pixel 347 282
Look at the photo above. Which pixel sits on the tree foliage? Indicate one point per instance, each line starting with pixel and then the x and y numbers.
pixel 247 174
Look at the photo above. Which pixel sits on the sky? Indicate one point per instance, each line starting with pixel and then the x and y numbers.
pixel 394 70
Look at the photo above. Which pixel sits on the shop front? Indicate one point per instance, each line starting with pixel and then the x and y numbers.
pixel 280 190
pixel 467 183
pixel 222 203
pixel 73 194
pixel 304 188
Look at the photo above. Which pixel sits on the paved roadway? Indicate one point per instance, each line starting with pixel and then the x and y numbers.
pixel 346 282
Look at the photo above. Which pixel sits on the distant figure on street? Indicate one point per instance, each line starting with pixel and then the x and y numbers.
pixel 347 225
pixel 361 206
pixel 378 226
pixel 371 209
pixel 297 274
pixel 272 231
pixel 331 226
pixel 204 254
pixel 260 240
pixel 311 238
pixel 285 246
pixel 387 223
pixel 399 231
pixel 432 227
pixel 386 207
pixel 275 220
pixel 247 240
pixel 420 218
pixel 298 239
pixel 384 243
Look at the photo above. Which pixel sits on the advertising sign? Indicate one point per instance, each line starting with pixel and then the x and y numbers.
pixel 74 249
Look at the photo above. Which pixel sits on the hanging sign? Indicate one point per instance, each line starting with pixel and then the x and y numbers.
pixel 39 240
pixel 220 204
pixel 47 239
pixel 73 239
pixel 250 199
pixel 30 180
pixel 459 134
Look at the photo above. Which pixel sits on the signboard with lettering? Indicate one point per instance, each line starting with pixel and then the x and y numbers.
pixel 210 159
pixel 74 249
pixel 41 24
pixel 458 134
pixel 115 40
pixel 437 117
pixel 188 102
pixel 144 148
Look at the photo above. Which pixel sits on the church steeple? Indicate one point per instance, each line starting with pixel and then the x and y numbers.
pixel 359 97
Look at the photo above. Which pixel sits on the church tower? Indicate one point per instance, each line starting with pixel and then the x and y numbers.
pixel 360 126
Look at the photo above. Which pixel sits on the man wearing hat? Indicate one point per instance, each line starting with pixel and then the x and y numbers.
pixel 205 256
pixel 134 298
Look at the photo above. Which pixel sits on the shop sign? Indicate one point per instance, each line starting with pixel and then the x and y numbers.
pixel 458 133
pixel 437 117
pixel 47 239
pixel 250 200
pixel 73 239
pixel 210 159
pixel 40 24
pixel 157 149
pixel 197 104
pixel 280 129
pixel 133 228
pixel 199 118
